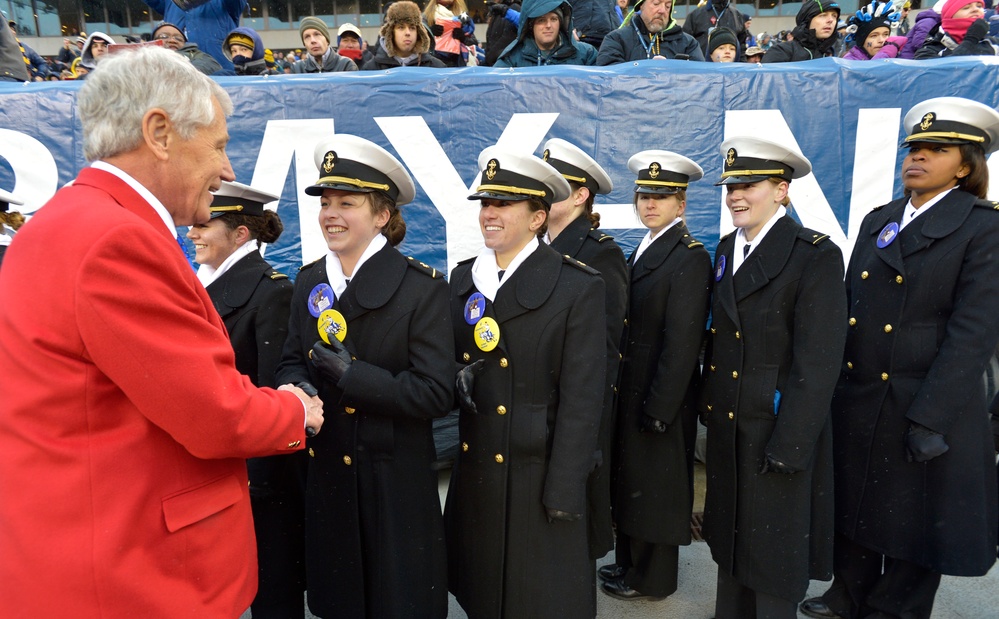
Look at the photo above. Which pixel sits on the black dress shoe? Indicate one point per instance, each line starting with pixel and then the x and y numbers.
pixel 612 571
pixel 815 607
pixel 617 589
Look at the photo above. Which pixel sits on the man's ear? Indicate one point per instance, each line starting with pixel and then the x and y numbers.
pixel 157 132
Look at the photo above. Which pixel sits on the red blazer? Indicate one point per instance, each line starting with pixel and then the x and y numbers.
pixel 123 421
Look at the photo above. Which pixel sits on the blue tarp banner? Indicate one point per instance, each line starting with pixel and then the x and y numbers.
pixel 845 116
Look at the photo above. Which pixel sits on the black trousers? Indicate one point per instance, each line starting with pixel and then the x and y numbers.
pixel 881 587
pixel 737 601
pixel 652 568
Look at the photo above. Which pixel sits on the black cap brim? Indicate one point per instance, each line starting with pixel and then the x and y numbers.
pixel 317 190
pixel 738 180
pixel 503 196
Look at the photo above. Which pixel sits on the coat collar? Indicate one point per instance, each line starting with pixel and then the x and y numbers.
pixel 658 251
pixel 234 288
pixel 124 195
pixel 530 285
pixel 374 283
pixel 571 239
pixel 768 260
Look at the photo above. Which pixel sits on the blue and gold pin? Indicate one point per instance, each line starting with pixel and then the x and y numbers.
pixel 720 269
pixel 888 235
pixel 475 307
pixel 321 299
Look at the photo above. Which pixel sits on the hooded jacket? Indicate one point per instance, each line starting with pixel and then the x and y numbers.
pixel 87 56
pixel 524 52
pixel 332 61
pixel 716 14
pixel 925 23
pixel 256 65
pixel 805 46
pixel 628 42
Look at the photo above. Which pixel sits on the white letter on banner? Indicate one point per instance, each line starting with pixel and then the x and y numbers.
pixel 430 165
pixel 284 139
pixel 873 178
pixel 35 174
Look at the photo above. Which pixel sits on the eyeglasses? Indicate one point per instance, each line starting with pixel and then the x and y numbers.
pixel 170 37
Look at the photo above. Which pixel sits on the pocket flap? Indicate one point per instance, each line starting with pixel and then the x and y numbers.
pixel 190 506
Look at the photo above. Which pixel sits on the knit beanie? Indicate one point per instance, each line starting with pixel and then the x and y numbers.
pixel 404 12
pixel 811 8
pixel 955 28
pixel 722 36
pixel 316 24
pixel 166 23
pixel 869 18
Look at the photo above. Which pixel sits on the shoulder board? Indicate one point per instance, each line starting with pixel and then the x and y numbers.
pixel 728 235
pixel 599 236
pixel 987 204
pixel 579 265
pixel 423 267
pixel 274 274
pixel 305 266
pixel 811 236
pixel 691 242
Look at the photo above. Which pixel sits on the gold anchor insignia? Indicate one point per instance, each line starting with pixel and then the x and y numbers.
pixel 730 157
pixel 927 121
pixel 653 170
pixel 329 161
pixel 491 168
pixel 546 154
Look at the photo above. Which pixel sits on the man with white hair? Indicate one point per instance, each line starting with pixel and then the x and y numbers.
pixel 122 448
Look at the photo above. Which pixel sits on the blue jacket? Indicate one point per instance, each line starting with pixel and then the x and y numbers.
pixel 206 24
pixel 524 52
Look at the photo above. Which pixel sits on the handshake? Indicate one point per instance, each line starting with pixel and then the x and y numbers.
pixel 313 405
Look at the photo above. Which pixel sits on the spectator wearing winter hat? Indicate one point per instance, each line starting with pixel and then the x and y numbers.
pixel 715 14
pixel 350 43
pixel 319 57
pixel 754 55
pixel 870 32
pixel 901 27
pixel 722 46
pixel 174 38
pixel 545 38
pixel 747 20
pixel 245 49
pixel 814 36
pixel 963 31
pixel 404 40
pixel 649 32
pixel 95 48
pixel 203 22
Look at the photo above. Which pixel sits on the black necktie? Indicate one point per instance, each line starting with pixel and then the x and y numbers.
pixel 745 250
pixel 501 274
pixel 346 280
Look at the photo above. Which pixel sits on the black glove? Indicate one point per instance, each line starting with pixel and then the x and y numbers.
pixel 468 40
pixel 977 31
pixel 312 392
pixel 464 381
pixel 498 10
pixel 773 465
pixel 332 361
pixel 652 425
pixel 995 432
pixel 923 444
pixel 560 516
pixel 437 30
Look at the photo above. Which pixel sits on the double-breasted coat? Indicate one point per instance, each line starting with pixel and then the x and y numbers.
pixel 653 484
pixel 778 326
pixel 374 530
pixel 530 444
pixel 599 251
pixel 923 324
pixel 254 301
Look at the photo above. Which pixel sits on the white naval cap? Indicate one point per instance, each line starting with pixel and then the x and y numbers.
pixel 751 159
pixel 6 199
pixel 351 163
pixel 511 176
pixel 241 199
pixel 576 166
pixel 662 171
pixel 953 120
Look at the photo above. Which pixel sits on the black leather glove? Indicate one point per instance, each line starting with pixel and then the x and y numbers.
pixel 498 10
pixel 923 444
pixel 995 432
pixel 773 465
pixel 560 516
pixel 436 30
pixel 311 391
pixel 469 39
pixel 332 361
pixel 464 382
pixel 652 425
pixel 977 31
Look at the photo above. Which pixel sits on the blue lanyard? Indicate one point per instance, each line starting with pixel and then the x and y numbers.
pixel 653 40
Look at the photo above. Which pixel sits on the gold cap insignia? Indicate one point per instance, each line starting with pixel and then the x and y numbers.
pixel 730 156
pixel 654 169
pixel 546 155
pixel 329 160
pixel 491 168
pixel 927 121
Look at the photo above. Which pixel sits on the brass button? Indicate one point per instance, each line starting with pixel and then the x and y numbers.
pixel 710 408
pixel 738 335
pixel 898 279
pixel 294 444
pixel 464 446
pixel 731 415
pixel 849 365
pixel 887 328
pixel 312 453
pixel 735 374
pixel 615 388
pixel 349 410
pixel 501 409
pixel 712 368
pixel 504 362
pixel 853 321
pixel 626 322
pixel 884 376
pixel 467 357
pixel 347 460
pixel 865 275
pixel 499 458
pixel 713 330
pixel 620 356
